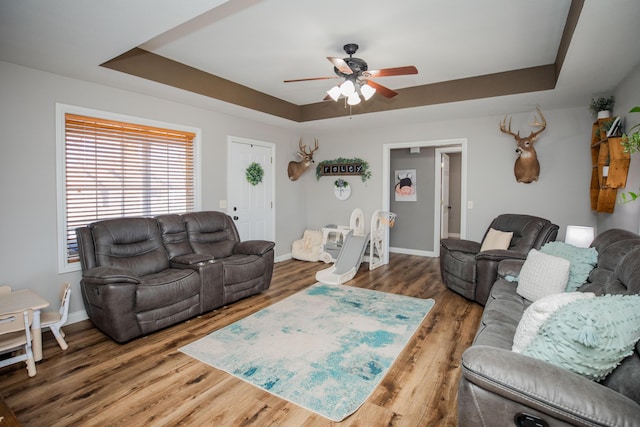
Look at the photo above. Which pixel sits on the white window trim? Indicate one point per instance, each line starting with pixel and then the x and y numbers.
pixel 61 110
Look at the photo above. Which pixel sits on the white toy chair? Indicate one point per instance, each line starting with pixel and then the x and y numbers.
pixel 15 333
pixel 308 248
pixel 54 320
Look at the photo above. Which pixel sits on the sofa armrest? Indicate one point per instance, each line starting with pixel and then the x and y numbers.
pixel 189 260
pixel 510 267
pixel 109 275
pixel 518 383
pixel 487 264
pixel 253 247
pixel 460 245
pixel 498 255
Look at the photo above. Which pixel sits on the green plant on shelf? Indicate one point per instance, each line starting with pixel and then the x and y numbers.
pixel 602 104
pixel 631 143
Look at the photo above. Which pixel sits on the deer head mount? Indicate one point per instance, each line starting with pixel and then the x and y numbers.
pixel 527 167
pixel 295 169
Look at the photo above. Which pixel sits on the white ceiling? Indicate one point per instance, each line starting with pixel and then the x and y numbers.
pixel 260 43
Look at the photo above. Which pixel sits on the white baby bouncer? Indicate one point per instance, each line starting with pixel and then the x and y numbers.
pixel 351 245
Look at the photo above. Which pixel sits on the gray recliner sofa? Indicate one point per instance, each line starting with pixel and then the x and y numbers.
pixel 499 387
pixel 140 275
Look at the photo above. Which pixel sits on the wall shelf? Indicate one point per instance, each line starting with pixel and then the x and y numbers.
pixel 609 168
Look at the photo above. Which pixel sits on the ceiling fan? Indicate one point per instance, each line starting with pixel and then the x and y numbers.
pixel 357 78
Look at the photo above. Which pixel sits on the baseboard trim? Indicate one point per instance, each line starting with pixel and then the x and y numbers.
pixel 417 252
pixel 77 316
pixel 284 257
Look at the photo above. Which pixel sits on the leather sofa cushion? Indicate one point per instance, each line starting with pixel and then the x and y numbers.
pixel 174 235
pixel 525 230
pixel 626 377
pixel 131 244
pixel 501 316
pixel 611 247
pixel 211 233
pixel 163 289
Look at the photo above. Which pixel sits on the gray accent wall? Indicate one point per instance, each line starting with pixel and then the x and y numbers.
pixel 414 226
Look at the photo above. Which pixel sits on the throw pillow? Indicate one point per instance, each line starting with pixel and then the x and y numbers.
pixel 582 261
pixel 589 336
pixel 537 313
pixel 496 239
pixel 542 275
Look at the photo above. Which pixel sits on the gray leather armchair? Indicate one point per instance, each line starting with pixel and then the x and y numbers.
pixel 471 273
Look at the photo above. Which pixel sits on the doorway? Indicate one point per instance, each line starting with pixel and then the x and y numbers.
pixel 440 146
pixel 251 206
pixel 448 183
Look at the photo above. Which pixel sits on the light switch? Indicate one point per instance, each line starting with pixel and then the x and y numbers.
pixel 470 204
pixel 223 204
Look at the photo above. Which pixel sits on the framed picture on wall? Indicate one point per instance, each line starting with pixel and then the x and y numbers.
pixel 405 187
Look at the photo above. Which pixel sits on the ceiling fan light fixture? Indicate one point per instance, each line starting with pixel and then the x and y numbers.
pixel 353 99
pixel 334 93
pixel 347 88
pixel 367 91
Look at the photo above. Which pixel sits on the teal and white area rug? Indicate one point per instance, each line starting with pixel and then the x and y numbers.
pixel 325 348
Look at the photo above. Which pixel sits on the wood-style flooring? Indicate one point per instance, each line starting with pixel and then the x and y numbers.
pixel 148 382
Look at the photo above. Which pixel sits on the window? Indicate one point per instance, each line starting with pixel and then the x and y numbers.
pixel 115 168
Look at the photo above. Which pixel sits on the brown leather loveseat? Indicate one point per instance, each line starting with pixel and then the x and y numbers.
pixel 140 275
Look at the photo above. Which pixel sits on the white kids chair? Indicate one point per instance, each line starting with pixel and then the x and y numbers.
pixel 55 319
pixel 15 333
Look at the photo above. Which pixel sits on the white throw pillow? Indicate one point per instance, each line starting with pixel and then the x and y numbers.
pixel 496 239
pixel 538 312
pixel 542 275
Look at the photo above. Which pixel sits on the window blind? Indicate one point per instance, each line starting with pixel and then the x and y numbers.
pixel 115 169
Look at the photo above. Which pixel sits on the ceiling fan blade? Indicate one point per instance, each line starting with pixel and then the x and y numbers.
pixel 386 72
pixel 382 90
pixel 312 78
pixel 340 65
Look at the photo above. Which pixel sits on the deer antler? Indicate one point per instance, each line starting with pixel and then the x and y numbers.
pixel 304 149
pixel 507 129
pixel 542 125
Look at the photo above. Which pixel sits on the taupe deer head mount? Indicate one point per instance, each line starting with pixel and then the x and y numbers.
pixel 295 169
pixel 527 167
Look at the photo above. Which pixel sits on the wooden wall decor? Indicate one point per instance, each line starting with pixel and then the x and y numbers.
pixel 342 166
pixel 609 167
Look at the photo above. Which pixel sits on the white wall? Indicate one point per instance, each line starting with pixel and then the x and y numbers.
pixel 626 216
pixel 561 194
pixel 28 249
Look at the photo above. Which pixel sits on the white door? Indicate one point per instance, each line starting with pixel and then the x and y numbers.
pixel 444 197
pixel 250 206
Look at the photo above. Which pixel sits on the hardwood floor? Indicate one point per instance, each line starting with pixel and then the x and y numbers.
pixel 97 382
